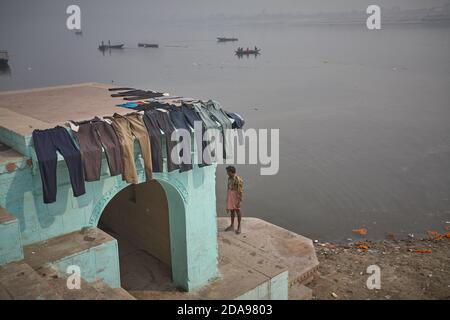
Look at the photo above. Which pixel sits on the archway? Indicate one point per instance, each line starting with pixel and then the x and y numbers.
pixel 138 217
pixel 191 203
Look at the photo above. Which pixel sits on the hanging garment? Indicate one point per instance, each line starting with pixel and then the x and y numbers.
pixel 46 143
pixel 180 123
pixel 155 139
pixel 165 127
pixel 192 117
pixel 127 93
pixel 218 115
pixel 92 135
pixel 138 94
pixel 158 105
pixel 128 128
pixel 239 122
pixel 205 116
pixel 131 105
pixel 145 95
pixel 178 118
pixel 121 89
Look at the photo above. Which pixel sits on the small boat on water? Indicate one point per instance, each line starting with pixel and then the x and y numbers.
pixel 110 46
pixel 224 39
pixel 148 45
pixel 241 52
pixel 4 57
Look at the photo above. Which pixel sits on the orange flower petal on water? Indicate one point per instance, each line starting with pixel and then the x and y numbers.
pixel 423 251
pixel 362 231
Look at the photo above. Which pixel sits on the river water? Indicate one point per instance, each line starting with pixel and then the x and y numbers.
pixel 364 116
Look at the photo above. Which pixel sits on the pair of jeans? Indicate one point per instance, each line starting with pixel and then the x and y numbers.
pixel 204 114
pixel 192 116
pixel 46 143
pixel 155 138
pixel 180 123
pixel 159 123
pixel 92 135
pixel 128 129
pixel 217 114
pixel 239 122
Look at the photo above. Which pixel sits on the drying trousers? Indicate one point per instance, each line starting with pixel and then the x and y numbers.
pixel 156 122
pixel 128 128
pixel 46 143
pixel 239 122
pixel 155 139
pixel 192 117
pixel 219 116
pixel 92 136
pixel 179 121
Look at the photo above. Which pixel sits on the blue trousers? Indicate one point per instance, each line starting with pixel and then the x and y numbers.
pixel 46 143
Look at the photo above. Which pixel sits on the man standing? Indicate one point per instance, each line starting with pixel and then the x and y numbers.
pixel 234 197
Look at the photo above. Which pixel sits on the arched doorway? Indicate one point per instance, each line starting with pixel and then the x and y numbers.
pixel 138 217
pixel 191 203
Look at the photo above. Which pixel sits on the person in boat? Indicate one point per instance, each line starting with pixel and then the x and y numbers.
pixel 256 49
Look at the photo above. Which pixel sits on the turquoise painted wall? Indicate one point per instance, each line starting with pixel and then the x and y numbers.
pixel 191 198
pixel 98 263
pixel 10 242
pixel 275 289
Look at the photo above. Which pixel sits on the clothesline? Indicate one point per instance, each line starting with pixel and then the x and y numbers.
pixel 116 134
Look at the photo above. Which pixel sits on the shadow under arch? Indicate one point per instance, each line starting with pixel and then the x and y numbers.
pixel 176 202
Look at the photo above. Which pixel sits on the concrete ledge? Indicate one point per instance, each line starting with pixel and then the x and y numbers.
pixel 286 248
pixel 255 265
pixel 94 251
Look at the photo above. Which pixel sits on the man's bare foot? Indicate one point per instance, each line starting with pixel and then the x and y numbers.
pixel 238 231
pixel 230 228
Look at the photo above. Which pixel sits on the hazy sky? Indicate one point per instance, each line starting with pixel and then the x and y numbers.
pixel 159 9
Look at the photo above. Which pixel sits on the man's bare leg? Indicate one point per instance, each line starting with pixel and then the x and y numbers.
pixel 231 227
pixel 239 218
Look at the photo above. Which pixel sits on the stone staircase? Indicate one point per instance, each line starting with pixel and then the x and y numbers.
pixel 36 272
pixel 97 290
pixel 19 281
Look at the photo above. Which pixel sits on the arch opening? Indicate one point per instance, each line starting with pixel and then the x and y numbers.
pixel 138 217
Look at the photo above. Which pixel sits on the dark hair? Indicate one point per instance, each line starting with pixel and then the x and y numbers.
pixel 231 169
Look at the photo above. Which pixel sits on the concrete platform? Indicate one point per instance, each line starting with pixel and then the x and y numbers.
pixel 286 248
pixel 94 251
pixel 253 265
pixel 22 111
pixel 40 254
pixel 264 262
